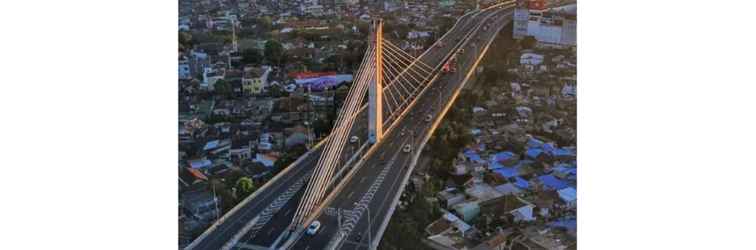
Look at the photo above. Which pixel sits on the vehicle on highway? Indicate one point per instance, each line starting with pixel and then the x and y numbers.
pixel 407 148
pixel 354 139
pixel 428 118
pixel 313 228
pixel 440 44
pixel 451 65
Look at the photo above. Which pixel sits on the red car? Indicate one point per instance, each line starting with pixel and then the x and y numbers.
pixel 450 66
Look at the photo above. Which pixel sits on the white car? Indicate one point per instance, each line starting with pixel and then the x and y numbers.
pixel 407 148
pixel 428 118
pixel 313 228
pixel 354 139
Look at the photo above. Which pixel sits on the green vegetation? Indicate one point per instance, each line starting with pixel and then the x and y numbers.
pixel 251 56
pixel 244 187
pixel 223 88
pixel 288 157
pixel 274 52
pixel 528 42
pixel 185 41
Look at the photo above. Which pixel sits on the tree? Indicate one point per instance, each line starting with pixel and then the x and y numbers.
pixel 274 51
pixel 223 88
pixel 288 158
pixel 185 40
pixel 322 126
pixel 251 56
pixel 528 42
pixel 265 23
pixel 276 91
pixel 244 187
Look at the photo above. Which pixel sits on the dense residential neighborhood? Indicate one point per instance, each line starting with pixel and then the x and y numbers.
pixel 501 171
pixel 261 83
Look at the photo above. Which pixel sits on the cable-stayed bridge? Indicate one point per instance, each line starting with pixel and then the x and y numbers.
pixel 352 180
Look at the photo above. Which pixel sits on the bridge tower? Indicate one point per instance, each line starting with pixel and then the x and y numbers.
pixel 375 89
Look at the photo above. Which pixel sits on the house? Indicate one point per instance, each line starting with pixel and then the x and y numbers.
pixel 296 138
pixel 569 196
pixel 508 189
pixel 530 58
pixel 190 176
pixel 458 224
pixel 446 3
pixel 257 170
pixel 240 150
pixel 268 160
pixel 217 147
pixel 200 205
pixel 496 242
pixel 468 210
pixel 551 183
pixel 441 225
pixel 501 206
pixel 255 79
pixel 524 213
pixel 210 76
pixel 418 34
pixel 184 69
pixel 450 197
pixel 482 192
pixel 200 164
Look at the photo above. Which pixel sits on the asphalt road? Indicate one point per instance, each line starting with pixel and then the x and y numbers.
pixel 225 230
pixel 389 155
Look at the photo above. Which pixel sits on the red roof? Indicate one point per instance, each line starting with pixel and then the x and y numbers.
pixel 197 174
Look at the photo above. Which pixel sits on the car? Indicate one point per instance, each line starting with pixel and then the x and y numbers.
pixel 313 228
pixel 354 139
pixel 428 118
pixel 407 148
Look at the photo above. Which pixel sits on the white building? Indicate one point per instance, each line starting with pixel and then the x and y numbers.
pixel 531 58
pixel 210 76
pixel 550 27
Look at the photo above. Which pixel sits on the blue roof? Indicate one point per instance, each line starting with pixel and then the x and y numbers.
pixel 552 182
pixel 473 156
pixel 565 169
pixel 521 183
pixel 503 156
pixel 549 148
pixel 534 152
pixel 507 172
pixel 495 165
pixel 569 224
pixel 532 142
pixel 562 152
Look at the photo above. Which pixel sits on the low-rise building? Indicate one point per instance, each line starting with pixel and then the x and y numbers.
pixel 255 80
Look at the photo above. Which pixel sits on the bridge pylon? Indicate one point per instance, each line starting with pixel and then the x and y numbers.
pixel 375 89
